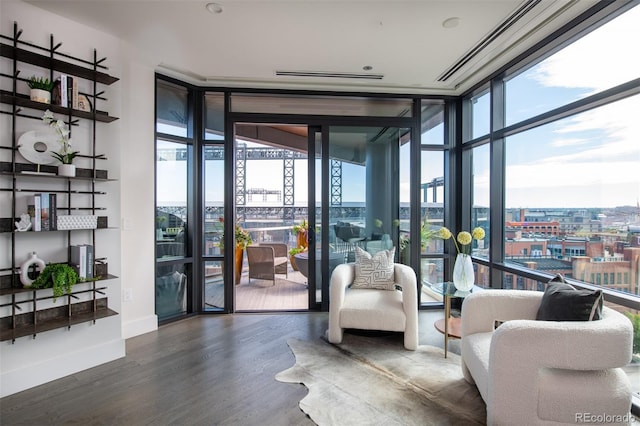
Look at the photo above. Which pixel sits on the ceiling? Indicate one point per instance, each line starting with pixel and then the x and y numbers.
pixel 410 46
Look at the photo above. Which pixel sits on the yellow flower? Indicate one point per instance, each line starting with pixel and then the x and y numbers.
pixel 464 238
pixel 478 233
pixel 444 233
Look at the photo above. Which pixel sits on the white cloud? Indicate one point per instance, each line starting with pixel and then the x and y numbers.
pixel 602 59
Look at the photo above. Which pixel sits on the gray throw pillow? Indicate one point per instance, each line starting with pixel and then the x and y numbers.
pixel 562 302
pixel 375 271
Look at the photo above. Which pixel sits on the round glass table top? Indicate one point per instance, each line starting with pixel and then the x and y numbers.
pixel 449 289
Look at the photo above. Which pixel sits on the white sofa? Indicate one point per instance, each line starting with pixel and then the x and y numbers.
pixel 544 372
pixel 369 309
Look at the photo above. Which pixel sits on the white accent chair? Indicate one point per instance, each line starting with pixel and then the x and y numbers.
pixel 544 372
pixel 369 309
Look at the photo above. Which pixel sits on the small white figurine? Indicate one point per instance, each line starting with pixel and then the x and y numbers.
pixel 24 224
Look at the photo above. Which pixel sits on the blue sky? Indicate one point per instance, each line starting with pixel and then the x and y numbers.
pixel 588 160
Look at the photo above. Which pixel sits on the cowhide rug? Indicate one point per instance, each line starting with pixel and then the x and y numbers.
pixel 368 380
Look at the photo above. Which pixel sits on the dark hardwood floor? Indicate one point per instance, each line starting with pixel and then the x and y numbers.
pixel 206 370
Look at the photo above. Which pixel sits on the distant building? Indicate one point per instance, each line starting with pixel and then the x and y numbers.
pixel 538 229
pixel 613 272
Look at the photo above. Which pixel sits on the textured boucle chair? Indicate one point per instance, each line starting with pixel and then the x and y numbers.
pixel 544 372
pixel 373 309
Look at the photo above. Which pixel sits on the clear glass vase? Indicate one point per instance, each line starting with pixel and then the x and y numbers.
pixel 463 275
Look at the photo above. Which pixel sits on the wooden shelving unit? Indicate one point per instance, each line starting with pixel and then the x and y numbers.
pixel 28 315
pixel 32 323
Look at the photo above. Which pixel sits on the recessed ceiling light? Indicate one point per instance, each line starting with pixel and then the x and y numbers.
pixel 214 7
pixel 451 22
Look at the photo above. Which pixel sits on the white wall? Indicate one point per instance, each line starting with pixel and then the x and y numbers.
pixel 137 195
pixel 129 146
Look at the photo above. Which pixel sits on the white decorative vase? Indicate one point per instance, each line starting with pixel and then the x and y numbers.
pixel 68 170
pixel 39 95
pixel 24 268
pixel 463 275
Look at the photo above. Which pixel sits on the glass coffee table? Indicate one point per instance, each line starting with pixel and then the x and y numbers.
pixel 450 327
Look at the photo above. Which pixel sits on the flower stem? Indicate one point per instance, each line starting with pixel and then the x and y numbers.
pixel 453 237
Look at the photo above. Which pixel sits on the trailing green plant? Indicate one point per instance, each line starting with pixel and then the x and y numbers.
pixel 296 250
pixel 58 276
pixel 41 83
pixel 243 237
pixel 302 227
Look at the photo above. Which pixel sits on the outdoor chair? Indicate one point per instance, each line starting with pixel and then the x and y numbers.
pixel 267 260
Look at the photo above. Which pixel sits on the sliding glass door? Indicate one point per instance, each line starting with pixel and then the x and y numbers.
pixel 358 195
pixel 365 192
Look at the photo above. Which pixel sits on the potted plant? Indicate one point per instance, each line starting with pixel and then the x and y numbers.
pixel 58 276
pixel 292 254
pixel 302 234
pixel 65 155
pixel 40 89
pixel 243 239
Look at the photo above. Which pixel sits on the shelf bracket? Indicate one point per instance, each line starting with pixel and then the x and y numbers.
pixel 16 32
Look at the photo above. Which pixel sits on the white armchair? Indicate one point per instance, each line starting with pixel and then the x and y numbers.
pixel 370 309
pixel 544 372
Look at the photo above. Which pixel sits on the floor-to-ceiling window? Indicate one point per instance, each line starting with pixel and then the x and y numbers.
pixel 554 151
pixel 174 159
pixel 213 201
pixel 433 264
pixel 198 181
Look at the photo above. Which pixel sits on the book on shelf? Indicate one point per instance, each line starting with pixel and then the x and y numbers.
pixel 74 93
pixel 82 260
pixel 90 261
pixel 65 91
pixel 61 92
pixel 69 91
pixel 56 92
pixel 37 213
pixel 53 212
pixel 44 211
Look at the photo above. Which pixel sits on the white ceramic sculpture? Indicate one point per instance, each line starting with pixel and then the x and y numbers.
pixel 24 224
pixel 24 268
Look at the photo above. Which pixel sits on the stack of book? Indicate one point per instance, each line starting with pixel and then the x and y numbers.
pixel 82 260
pixel 43 212
pixel 65 91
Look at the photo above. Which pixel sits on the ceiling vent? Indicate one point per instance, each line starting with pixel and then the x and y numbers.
pixel 326 74
pixel 512 19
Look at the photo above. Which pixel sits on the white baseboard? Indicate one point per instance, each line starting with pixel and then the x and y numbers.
pixel 139 326
pixel 51 369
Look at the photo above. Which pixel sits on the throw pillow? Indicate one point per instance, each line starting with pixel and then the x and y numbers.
pixel 562 302
pixel 375 271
